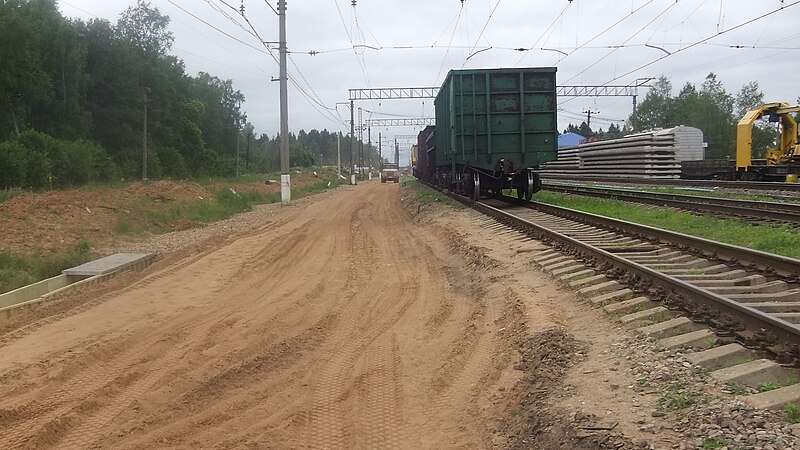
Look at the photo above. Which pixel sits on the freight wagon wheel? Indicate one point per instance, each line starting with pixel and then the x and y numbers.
pixel 476 184
pixel 527 193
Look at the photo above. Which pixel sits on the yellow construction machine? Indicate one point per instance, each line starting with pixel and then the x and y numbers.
pixel 781 163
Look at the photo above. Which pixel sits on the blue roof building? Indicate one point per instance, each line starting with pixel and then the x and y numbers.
pixel 570 140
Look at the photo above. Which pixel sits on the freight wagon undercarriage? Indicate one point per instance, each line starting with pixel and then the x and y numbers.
pixel 474 182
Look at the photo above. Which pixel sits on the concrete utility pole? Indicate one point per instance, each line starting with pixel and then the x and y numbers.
pixel 144 135
pixel 286 184
pixel 380 150
pixel 589 113
pixel 238 134
pixel 338 154
pixel 396 153
pixel 360 144
pixel 247 157
pixel 369 145
pixel 352 145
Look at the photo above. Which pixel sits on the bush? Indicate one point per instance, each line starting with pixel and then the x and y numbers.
pixel 36 160
pixel 13 165
pixel 172 163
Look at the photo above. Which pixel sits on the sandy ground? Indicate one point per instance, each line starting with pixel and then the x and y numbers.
pixel 338 324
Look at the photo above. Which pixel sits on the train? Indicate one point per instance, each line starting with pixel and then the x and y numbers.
pixel 494 127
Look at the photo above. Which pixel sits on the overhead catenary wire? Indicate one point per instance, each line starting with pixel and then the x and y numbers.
pixel 455 28
pixel 598 61
pixel 486 24
pixel 606 30
pixel 309 98
pixel 545 32
pixel 701 41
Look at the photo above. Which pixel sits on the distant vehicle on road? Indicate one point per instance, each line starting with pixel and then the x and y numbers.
pixel 390 172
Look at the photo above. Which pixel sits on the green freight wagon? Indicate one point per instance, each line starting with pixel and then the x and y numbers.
pixel 493 129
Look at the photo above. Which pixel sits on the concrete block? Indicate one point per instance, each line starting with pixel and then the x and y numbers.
pixel 702 338
pixel 722 356
pixel 600 288
pixel 672 327
pixel 615 296
pixel 750 280
pixel 775 399
pixel 575 267
pixel 791 295
pixel 579 275
pixel 766 288
pixel 756 372
pixel 588 281
pixel 732 274
pixel 111 263
pixel 549 253
pixel 629 306
pixel 775 307
pixel 557 265
pixel 648 314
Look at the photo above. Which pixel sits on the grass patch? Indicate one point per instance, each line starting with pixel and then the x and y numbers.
pixel 767 386
pixel 17 270
pixel 739 389
pixel 792 413
pixel 127 226
pixel 316 187
pixel 425 194
pixel 677 397
pixel 8 194
pixel 777 239
pixel 711 443
pixel 226 202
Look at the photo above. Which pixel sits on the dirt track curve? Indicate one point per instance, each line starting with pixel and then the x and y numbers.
pixel 340 324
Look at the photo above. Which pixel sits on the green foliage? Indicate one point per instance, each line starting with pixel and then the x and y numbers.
pixel 792 413
pixel 129 227
pixel 677 397
pixel 36 160
pixel 767 386
pixel 711 443
pixel 778 239
pixel 17 271
pixel 424 193
pixel 8 194
pixel 710 108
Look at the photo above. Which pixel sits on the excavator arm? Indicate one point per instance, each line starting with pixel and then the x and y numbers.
pixel 744 131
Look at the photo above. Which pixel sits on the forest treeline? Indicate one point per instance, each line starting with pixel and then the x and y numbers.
pixel 72 97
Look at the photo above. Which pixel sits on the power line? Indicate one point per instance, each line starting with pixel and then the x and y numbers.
pixel 312 101
pixel 704 40
pixel 605 30
pixel 482 30
pixel 623 43
pixel 545 31
pixel 455 28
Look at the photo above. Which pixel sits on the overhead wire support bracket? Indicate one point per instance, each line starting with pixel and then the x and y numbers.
pixel 392 93
pixel 431 92
pixel 407 122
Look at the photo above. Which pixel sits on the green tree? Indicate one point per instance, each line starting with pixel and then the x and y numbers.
pixel 146 28
pixel 656 110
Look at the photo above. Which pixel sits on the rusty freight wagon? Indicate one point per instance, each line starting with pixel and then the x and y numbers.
pixel 493 129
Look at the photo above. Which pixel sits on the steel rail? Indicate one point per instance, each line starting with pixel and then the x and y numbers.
pixel 752 327
pixel 785 212
pixel 751 185
pixel 783 267
pixel 734 316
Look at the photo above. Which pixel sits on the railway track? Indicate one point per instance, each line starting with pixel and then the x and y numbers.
pixel 748 209
pixel 769 186
pixel 736 309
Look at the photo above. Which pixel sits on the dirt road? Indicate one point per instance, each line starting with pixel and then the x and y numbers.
pixel 339 324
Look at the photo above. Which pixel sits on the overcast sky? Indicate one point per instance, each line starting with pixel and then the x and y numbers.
pixel 590 42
